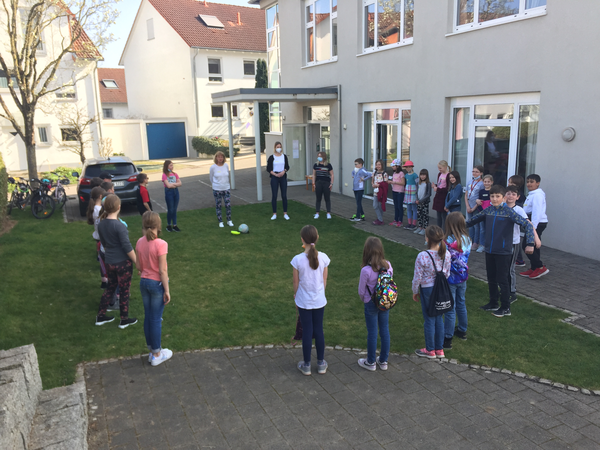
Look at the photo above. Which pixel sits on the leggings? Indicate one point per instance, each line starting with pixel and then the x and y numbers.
pixel 119 275
pixel 226 196
pixel 322 188
pixel 279 183
pixel 423 214
pixel 312 325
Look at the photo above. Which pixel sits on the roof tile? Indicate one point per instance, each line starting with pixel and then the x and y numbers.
pixel 112 95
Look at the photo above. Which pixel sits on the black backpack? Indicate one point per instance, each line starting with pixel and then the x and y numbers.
pixel 441 300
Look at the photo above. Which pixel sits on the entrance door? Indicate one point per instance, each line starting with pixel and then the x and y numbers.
pixel 294 146
pixel 387 147
pixel 493 151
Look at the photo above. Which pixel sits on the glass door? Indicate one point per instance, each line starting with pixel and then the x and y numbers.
pixel 493 151
pixel 294 146
pixel 387 147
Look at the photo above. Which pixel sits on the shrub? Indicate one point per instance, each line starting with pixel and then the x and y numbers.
pixel 3 192
pixel 64 172
pixel 210 146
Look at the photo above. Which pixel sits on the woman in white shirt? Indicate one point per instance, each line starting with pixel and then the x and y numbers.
pixel 219 178
pixel 278 166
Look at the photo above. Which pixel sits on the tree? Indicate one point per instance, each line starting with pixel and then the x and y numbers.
pixel 262 81
pixel 75 133
pixel 26 27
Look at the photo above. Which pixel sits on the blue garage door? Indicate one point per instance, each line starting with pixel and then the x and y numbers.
pixel 166 140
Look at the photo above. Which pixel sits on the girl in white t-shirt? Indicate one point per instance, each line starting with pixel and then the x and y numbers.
pixel 310 280
pixel 93 218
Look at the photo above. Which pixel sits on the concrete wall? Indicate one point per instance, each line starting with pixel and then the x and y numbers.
pixel 120 110
pixel 128 136
pixel 550 55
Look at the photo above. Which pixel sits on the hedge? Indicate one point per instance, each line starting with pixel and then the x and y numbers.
pixel 210 146
pixel 3 192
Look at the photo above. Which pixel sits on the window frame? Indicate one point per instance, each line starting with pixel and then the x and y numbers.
pixel 7 77
pixel 235 115
pixel 66 94
pixel 108 80
pixel 63 129
pixel 105 116
pixel 212 111
pixel 248 61
pixel 476 25
pixel 218 75
pixel 39 142
pixel 376 48
pixel 332 15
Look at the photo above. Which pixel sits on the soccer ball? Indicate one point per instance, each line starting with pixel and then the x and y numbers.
pixel 244 228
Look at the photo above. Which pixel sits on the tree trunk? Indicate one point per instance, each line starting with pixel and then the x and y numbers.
pixel 29 130
pixel 82 153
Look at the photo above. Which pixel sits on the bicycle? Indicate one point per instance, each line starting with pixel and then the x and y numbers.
pixel 58 194
pixel 42 204
pixel 20 195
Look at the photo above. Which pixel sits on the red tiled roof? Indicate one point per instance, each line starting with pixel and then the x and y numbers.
pixel 83 47
pixel 182 15
pixel 107 95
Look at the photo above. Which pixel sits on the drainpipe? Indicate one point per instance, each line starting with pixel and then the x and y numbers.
pixel 97 96
pixel 231 155
pixel 195 83
pixel 339 105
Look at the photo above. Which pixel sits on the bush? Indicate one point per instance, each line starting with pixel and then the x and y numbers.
pixel 210 146
pixel 64 172
pixel 3 192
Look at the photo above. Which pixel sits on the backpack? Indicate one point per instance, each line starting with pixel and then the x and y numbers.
pixel 441 300
pixel 385 293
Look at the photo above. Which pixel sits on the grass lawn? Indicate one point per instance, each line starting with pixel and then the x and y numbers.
pixel 237 290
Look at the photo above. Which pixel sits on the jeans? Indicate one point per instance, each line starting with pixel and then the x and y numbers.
pixel 398 206
pixel 377 208
pixel 474 231
pixel 535 257
pixel 460 310
pixel 497 268
pixel 374 319
pixel 434 326
pixel 358 195
pixel 172 199
pixel 322 189
pixel 411 212
pixel 279 183
pixel 153 299
pixel 441 219
pixel 312 325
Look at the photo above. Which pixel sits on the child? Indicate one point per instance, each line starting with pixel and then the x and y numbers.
pixel 108 186
pixel 459 245
pixel 398 182
pixel 410 196
pixel 359 175
pixel 310 281
pixel 498 246
pixel 119 258
pixel 455 193
pixel 380 188
pixel 483 202
pixel 471 196
pixel 219 179
pixel 519 182
pixel 171 182
pixel 322 182
pixel 535 208
pixel 143 197
pixel 423 281
pixel 374 260
pixel 423 196
pixel 93 218
pixel 441 190
pixel 154 284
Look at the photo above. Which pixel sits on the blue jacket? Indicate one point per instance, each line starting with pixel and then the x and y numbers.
pixel 499 228
pixel 454 197
pixel 361 173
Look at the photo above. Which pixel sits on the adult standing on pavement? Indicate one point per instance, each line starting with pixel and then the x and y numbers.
pixel 172 182
pixel 219 178
pixel 277 167
pixel 323 183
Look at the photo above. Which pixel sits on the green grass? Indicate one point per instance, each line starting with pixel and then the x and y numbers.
pixel 237 290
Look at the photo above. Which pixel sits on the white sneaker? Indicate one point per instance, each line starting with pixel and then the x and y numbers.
pixel 230 223
pixel 165 354
pixel 286 217
pixel 316 216
pixel 221 225
pixel 328 216
pixel 274 216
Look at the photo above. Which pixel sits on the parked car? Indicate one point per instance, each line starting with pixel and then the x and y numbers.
pixel 124 178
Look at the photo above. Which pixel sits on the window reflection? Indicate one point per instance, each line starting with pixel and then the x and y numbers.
pixel 527 144
pixel 369 26
pixel 484 112
pixel 310 57
pixel 388 22
pixel 387 114
pixel 323 29
pixel 409 15
pixel 309 13
pixel 490 10
pixel 405 149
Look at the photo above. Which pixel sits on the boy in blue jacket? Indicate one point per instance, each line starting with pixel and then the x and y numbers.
pixel 499 222
pixel 359 175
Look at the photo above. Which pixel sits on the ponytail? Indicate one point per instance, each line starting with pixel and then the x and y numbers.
pixel 150 221
pixel 96 193
pixel 111 204
pixel 435 236
pixel 310 236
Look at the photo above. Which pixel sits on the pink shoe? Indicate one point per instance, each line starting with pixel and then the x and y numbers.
pixel 423 352
pixel 439 354
pixel 398 224
pixel 377 222
pixel 394 224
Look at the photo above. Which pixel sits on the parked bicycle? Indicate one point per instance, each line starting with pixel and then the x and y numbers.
pixel 20 195
pixel 42 204
pixel 56 189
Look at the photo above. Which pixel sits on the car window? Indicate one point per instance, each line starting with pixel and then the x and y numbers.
pixel 115 169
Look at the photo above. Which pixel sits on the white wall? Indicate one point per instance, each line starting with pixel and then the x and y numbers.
pixel 120 110
pixel 128 137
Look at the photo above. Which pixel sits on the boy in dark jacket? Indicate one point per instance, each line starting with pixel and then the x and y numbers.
pixel 499 223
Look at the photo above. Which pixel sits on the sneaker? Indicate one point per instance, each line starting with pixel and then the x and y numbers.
pixel 113 307
pixel 382 364
pixel 377 222
pixel 176 228
pixel 362 362
pixel 316 216
pixel 489 307
pixel 221 225
pixel 520 263
pixel 165 354
pixel 422 232
pixel 502 312
pixel 423 352
pixel 286 217
pixel 526 273
pixel 448 343
pixel 362 217
pixel 126 322
pixel 394 224
pixel 353 218
pixel 409 227
pixel 474 247
pixel 537 273
pixel 417 230
pixel 399 224
pixel 101 320
pixel 304 368
pixel 322 367
pixel 439 354
pixel 356 220
pixel 513 297
pixel 460 334
pixel 230 223
pixel 480 249
pixel 169 228
pixel 328 215
pixel 274 216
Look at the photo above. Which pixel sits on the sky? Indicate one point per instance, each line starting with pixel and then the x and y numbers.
pixel 121 28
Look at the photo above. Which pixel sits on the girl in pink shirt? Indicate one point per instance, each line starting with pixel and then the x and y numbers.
pixel 154 284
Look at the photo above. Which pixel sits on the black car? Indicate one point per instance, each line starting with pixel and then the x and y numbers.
pixel 124 178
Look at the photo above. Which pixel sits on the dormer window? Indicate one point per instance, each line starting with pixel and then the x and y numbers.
pixel 110 84
pixel 211 21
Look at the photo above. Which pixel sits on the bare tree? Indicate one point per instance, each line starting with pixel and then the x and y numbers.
pixel 76 135
pixel 105 148
pixel 70 49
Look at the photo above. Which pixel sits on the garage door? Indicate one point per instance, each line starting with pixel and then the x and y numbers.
pixel 166 140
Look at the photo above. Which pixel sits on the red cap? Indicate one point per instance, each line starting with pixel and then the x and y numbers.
pixel 408 163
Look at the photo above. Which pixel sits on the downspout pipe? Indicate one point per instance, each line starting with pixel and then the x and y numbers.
pixel 195 83
pixel 339 106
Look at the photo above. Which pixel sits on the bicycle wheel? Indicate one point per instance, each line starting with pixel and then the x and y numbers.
pixel 60 196
pixel 11 203
pixel 42 206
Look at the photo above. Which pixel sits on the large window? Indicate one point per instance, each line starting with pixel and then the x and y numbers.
pixel 68 134
pixel 321 31
pixel 214 70
pixel 249 67
pixel 43 135
pixel 387 23
pixel 472 14
pixel 217 111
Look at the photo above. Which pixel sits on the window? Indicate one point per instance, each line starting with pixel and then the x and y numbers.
pixel 66 93
pixel 211 21
pixel 107 113
pixel 150 28
pixel 234 111
pixel 249 68
pixel 214 70
pixel 110 84
pixel 471 14
pixel 36 26
pixel 273 68
pixel 387 23
pixel 68 134
pixel 321 31
pixel 43 135
pixel 217 111
pixel 4 80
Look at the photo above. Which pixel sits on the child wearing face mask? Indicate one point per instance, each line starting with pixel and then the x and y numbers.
pixel 323 183
pixel 277 167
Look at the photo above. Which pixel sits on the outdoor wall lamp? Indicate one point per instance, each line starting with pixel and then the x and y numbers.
pixel 568 134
